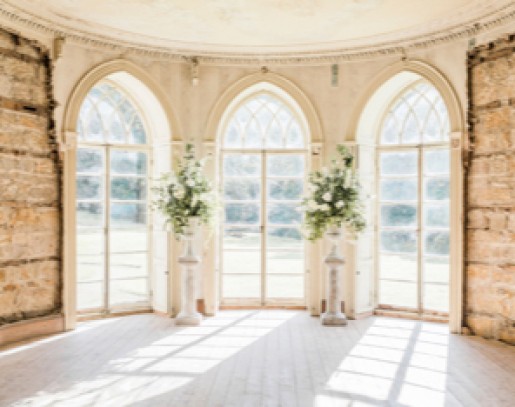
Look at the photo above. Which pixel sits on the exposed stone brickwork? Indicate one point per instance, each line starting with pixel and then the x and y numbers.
pixel 490 245
pixel 29 184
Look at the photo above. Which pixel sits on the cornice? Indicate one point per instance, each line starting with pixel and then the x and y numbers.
pixel 464 30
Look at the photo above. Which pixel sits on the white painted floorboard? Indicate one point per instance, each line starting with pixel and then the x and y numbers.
pixel 258 358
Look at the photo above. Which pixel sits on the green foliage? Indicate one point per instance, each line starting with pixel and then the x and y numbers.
pixel 333 198
pixel 185 193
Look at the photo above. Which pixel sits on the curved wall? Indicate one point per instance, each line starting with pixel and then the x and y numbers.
pixel 334 97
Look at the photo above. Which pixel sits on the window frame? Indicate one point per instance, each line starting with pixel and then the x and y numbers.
pixel 420 147
pixel 107 148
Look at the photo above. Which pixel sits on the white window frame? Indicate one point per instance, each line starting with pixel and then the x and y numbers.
pixel 420 147
pixel 107 148
pixel 264 152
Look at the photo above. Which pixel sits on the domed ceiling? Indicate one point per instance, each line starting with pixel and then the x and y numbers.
pixel 259 26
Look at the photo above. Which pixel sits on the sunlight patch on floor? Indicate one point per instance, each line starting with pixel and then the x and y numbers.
pixel 395 361
pixel 168 363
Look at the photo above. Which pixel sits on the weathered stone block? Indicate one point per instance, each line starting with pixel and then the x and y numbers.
pixel 29 187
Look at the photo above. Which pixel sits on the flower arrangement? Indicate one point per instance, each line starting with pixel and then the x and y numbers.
pixel 334 198
pixel 185 193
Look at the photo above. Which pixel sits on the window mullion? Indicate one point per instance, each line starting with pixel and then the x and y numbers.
pixel 107 228
pixel 420 232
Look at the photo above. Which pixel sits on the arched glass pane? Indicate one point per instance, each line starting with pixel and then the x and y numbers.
pixel 417 115
pixel 108 115
pixel 266 122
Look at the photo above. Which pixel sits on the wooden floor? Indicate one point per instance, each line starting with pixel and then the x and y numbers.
pixel 258 358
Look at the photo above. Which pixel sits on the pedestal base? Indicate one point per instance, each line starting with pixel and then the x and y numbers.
pixel 333 319
pixel 189 319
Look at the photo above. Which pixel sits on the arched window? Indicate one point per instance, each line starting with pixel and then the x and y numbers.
pixel 112 225
pixel 413 205
pixel 263 142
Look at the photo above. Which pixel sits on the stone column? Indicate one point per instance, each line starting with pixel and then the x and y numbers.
pixel 189 263
pixel 333 315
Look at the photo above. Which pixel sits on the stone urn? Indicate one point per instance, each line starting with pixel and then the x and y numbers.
pixel 334 261
pixel 189 262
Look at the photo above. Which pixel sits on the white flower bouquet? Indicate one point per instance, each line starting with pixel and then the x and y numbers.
pixel 185 193
pixel 333 198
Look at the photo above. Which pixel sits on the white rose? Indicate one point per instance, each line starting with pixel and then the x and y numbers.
pixel 327 197
pixel 324 207
pixel 339 204
pixel 325 170
pixel 190 183
pixel 178 193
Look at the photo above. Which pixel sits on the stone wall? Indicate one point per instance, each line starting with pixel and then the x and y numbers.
pixel 490 250
pixel 29 184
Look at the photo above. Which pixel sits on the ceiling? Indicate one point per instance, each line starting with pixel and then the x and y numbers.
pixel 259 26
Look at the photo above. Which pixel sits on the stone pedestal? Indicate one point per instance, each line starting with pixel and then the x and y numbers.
pixel 333 315
pixel 189 263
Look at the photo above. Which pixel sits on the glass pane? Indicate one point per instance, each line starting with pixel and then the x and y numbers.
pixel 274 135
pixel 285 286
pixel 127 110
pixel 242 262
pixel 94 131
pixel 285 189
pixel 399 163
pixel 398 294
pixel 232 136
pixel 399 241
pixel 241 286
pixel 436 243
pixel 284 238
pixel 128 215
pixel 90 295
pixel 285 165
pixel 436 270
pixel 253 138
pixel 116 132
pixel 128 265
pixel 128 241
pixel 411 131
pixel 436 297
pixel 243 115
pixel 398 215
pixel 398 267
pixel 128 162
pixel 242 238
pixel 295 138
pixel 90 255
pixel 399 189
pixel 437 188
pixel 89 187
pixel 436 215
pixel 128 188
pixel 128 291
pixel 422 109
pixel 238 189
pixel 243 165
pixel 433 130
pixel 242 213
pixel 285 262
pixel 138 132
pixel 390 133
pixel 436 161
pixel 90 160
pixel 284 214
pixel 90 267
pixel 105 108
pixel 90 214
